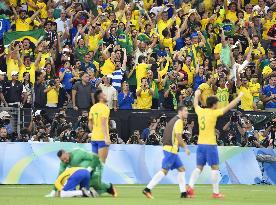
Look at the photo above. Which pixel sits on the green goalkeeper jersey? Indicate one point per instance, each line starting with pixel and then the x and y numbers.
pixel 81 158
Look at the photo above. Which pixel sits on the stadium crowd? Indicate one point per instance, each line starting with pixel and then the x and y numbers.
pixel 149 54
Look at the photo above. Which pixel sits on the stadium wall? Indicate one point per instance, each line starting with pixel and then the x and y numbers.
pixel 36 163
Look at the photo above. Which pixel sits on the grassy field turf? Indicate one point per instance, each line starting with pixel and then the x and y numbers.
pixel 131 195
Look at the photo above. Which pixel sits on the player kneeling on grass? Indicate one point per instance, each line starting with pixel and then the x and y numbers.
pixel 172 140
pixel 68 181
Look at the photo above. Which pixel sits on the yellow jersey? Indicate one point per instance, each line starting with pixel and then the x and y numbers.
pixel 141 72
pixel 223 97
pixel 12 65
pixel 207 120
pixel 267 71
pixel 175 126
pixel 190 72
pixel 144 101
pixel 108 67
pixel 31 70
pixel 266 26
pixel 161 25
pixel 206 91
pixel 247 99
pixel 93 41
pixel 23 25
pixel 44 57
pixel 64 176
pixel 97 113
pixel 168 43
pixel 52 96
pixel 254 88
pixel 43 12
pixel 232 16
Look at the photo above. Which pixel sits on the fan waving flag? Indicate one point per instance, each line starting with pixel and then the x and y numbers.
pixel 32 35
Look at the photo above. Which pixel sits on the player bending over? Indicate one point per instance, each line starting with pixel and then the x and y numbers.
pixel 172 140
pixel 81 158
pixel 68 181
pixel 98 125
pixel 207 151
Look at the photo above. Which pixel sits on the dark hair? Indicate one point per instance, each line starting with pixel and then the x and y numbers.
pixel 180 108
pixel 208 76
pixel 141 58
pixel 60 152
pixel 211 101
pixel 165 32
pixel 97 95
pixel 144 78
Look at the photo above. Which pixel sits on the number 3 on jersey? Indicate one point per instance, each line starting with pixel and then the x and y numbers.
pixel 202 123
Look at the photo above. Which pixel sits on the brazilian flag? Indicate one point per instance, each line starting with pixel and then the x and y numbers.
pixel 32 35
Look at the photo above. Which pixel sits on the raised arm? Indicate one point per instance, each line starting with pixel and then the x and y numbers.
pixel 233 103
pixel 196 99
pixel 35 14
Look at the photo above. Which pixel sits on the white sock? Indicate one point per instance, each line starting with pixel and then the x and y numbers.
pixel 156 179
pixel 215 181
pixel 194 177
pixel 70 193
pixel 181 181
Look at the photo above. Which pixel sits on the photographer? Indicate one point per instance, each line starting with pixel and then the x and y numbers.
pixel 83 121
pixel 68 135
pixel 24 136
pixel 162 122
pixel 187 134
pixel 57 125
pixel 135 138
pixel 152 125
pixel 232 131
pixel 4 137
pixel 269 135
pixel 113 133
pixel 81 135
pixel 250 136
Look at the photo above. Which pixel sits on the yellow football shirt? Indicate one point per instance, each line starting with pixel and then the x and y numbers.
pixel 232 16
pixel 97 113
pixel 44 57
pixel 144 101
pixel 223 97
pixel 31 70
pixel 266 26
pixel 177 129
pixel 141 72
pixel 161 25
pixel 23 25
pixel 267 71
pixel 108 67
pixel 254 87
pixel 206 91
pixel 64 176
pixel 168 42
pixel 52 96
pixel 12 65
pixel 190 72
pixel 247 99
pixel 93 41
pixel 207 119
pixel 43 12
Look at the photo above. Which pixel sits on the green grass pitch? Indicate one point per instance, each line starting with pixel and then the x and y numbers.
pixel 131 195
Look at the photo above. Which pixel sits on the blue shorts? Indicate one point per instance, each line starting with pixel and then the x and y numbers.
pixel 96 145
pixel 207 154
pixel 171 161
pixel 80 177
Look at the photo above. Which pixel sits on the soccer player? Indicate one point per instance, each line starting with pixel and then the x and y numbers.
pixel 81 158
pixel 207 146
pixel 98 125
pixel 68 180
pixel 172 140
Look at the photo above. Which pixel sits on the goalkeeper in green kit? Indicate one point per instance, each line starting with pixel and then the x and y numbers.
pixel 81 158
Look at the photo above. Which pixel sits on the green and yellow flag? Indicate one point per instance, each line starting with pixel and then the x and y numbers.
pixel 32 35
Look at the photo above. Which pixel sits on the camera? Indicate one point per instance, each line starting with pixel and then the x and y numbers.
pixel 235 117
pixel 153 140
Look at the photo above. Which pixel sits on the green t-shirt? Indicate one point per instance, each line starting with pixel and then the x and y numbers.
pixel 80 52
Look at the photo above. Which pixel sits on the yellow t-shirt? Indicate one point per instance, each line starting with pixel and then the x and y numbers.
pixel 177 129
pixel 63 177
pixel 223 96
pixel 30 70
pixel 97 113
pixel 247 99
pixel 186 7
pixel 207 119
pixel 230 15
pixel 141 72
pixel 206 91
pixel 108 67
pixel 254 87
pixel 43 12
pixel 266 26
pixel 23 25
pixel 258 52
pixel 12 65
pixel 144 101
pixel 168 42
pixel 93 41
pixel 42 62
pixel 161 25
pixel 267 71
pixel 52 96
pixel 190 73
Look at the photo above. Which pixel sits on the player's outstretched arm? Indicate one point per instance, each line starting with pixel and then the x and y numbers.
pixel 196 99
pixel 233 103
